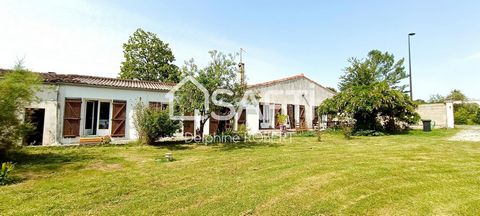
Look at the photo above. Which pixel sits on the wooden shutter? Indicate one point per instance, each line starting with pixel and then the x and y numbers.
pixel 71 118
pixel 119 116
pixel 213 126
pixel 243 117
pixel 302 117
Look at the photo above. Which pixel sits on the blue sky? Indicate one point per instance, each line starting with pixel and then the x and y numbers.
pixel 281 38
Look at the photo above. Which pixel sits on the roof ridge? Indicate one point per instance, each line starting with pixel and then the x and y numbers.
pixel 297 76
pixel 109 78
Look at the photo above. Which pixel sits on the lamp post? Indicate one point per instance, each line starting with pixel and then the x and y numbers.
pixel 410 64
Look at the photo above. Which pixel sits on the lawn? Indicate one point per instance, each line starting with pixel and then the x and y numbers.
pixel 410 174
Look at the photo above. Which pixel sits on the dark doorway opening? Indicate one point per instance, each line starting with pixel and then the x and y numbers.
pixel 37 118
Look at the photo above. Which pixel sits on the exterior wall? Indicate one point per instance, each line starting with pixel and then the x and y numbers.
pixel 298 92
pixel 441 114
pixel 52 99
pixel 47 99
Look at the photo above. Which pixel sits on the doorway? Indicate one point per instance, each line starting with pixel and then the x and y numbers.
pixel 97 118
pixel 91 112
pixel 37 118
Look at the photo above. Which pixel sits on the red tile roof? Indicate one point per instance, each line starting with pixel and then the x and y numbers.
pixel 74 79
pixel 298 76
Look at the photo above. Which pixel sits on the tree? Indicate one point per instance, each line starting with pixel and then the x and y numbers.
pixel 371 95
pixel 375 68
pixel 456 95
pixel 18 89
pixel 436 98
pixel 148 58
pixel 220 73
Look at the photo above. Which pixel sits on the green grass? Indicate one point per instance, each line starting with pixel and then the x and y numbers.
pixel 417 173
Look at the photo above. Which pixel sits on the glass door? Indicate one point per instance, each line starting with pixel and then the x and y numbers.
pixel 91 118
pixel 104 123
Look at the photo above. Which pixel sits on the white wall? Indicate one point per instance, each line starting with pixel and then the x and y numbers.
pixel 47 99
pixel 441 114
pixel 54 108
pixel 298 92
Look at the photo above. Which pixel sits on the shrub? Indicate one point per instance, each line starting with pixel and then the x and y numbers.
pixel 6 168
pixel 466 114
pixel 106 140
pixel 18 89
pixel 152 123
pixel 477 117
pixel 242 131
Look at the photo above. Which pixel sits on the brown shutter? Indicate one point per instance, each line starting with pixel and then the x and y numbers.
pixel 71 118
pixel 213 126
pixel 119 116
pixel 302 117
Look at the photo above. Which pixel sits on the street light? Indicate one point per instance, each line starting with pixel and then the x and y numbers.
pixel 410 64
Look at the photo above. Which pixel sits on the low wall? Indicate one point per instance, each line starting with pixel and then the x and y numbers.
pixel 441 114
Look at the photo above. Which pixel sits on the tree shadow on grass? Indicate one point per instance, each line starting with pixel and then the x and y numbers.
pixel 48 160
pixel 174 145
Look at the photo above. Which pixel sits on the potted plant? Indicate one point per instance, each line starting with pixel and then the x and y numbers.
pixel 282 120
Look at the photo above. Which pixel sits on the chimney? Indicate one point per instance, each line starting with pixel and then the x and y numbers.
pixel 241 69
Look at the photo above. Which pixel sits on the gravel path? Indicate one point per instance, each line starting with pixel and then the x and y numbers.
pixel 468 133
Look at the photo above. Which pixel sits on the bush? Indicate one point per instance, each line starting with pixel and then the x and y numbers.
pixel 242 131
pixel 18 89
pixel 466 114
pixel 477 117
pixel 152 123
pixel 6 168
pixel 106 140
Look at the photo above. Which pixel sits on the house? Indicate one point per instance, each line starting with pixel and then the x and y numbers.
pixel 76 108
pixel 297 97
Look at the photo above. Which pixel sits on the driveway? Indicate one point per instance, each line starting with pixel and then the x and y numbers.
pixel 468 133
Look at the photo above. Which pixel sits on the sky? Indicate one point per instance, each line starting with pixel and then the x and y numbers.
pixel 281 38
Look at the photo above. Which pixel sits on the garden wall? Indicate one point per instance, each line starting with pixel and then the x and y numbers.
pixel 441 114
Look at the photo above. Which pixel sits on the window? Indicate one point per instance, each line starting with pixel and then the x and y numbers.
pixel 158 105
pixel 104 117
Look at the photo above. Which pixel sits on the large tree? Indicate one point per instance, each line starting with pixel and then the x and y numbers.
pixel 372 95
pixel 18 89
pixel 148 58
pixel 220 73
pixel 375 68
pixel 456 95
